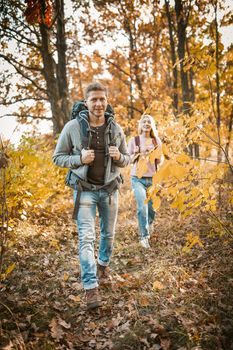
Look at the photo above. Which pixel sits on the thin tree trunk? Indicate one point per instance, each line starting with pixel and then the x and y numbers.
pixel 133 61
pixel 218 115
pixel 195 146
pixel 49 70
pixel 181 31
pixel 173 58
pixel 61 65
pixel 229 133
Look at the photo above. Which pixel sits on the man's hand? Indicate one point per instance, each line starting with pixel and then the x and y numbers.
pixel 88 155
pixel 114 152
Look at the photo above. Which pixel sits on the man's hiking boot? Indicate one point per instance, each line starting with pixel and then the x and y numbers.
pixel 93 298
pixel 103 273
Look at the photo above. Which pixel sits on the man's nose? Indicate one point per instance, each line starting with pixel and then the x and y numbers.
pixel 98 102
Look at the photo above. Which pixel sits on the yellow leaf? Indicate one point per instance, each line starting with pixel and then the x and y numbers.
pixel 54 243
pixel 183 158
pixel 66 276
pixel 143 300
pixel 158 285
pixel 9 269
pixel 163 173
pixel 170 131
pixel 195 192
pixel 156 154
pixel 141 168
pixel 156 202
pixel 165 150
pixel 191 241
pixel 179 171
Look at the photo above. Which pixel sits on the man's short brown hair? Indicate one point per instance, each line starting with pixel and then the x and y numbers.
pixel 95 87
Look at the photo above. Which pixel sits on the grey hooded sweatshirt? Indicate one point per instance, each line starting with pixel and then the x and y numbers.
pixel 67 153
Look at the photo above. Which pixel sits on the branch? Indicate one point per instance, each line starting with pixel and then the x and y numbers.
pixel 219 145
pixel 219 221
pixel 114 64
pixel 19 37
pixel 209 160
pixel 21 73
pixel 25 116
pixel 9 59
pixel 23 99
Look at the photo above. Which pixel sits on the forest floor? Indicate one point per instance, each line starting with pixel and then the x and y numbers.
pixel 160 298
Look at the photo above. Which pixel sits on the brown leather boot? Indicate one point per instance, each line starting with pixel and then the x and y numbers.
pixel 93 298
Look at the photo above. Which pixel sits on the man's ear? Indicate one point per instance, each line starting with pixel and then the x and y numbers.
pixel 85 102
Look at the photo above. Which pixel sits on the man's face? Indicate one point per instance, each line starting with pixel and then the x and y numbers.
pixel 97 103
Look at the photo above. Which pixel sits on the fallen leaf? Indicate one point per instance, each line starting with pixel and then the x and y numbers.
pixel 158 285
pixel 63 323
pixel 74 298
pixel 66 276
pixel 143 300
pixel 56 331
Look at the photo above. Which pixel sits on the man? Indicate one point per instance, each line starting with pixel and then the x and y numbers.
pixel 93 146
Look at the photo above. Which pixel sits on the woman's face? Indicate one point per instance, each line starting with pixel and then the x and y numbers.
pixel 146 124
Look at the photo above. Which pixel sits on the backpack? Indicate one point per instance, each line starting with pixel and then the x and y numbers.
pixel 137 143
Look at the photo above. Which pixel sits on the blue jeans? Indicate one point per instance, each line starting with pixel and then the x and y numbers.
pixel 89 202
pixel 145 211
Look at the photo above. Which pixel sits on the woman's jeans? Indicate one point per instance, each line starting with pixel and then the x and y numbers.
pixel 145 211
pixel 89 202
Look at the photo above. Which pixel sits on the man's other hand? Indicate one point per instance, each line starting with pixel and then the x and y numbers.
pixel 88 155
pixel 114 152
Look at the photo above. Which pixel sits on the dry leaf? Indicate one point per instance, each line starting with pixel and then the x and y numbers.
pixel 56 331
pixel 143 300
pixel 63 323
pixel 158 285
pixel 74 298
pixel 66 276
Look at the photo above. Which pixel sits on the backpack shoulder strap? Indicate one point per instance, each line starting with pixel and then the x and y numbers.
pixel 154 141
pixel 137 141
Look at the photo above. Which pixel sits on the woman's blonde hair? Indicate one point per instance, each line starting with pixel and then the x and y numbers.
pixel 154 131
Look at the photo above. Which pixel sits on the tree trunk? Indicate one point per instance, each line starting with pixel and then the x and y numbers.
pixel 181 32
pixel 229 133
pixel 195 146
pixel 55 74
pixel 173 58
pixel 133 62
pixel 218 115
pixel 49 70
pixel 61 66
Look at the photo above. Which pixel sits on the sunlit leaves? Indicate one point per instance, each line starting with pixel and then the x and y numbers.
pixel 8 270
pixel 39 11
pixel 142 167
pixel 191 241
pixel 32 179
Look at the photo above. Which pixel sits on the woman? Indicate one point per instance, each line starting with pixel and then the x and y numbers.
pixel 140 146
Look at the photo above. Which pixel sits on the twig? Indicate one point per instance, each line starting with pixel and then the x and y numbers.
pixel 223 226
pixel 9 310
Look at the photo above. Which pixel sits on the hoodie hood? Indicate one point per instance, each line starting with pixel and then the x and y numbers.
pixel 80 110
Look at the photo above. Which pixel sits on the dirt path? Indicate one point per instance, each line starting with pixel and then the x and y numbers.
pixel 160 298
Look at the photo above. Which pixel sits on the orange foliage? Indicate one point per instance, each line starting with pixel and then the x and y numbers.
pixel 39 11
